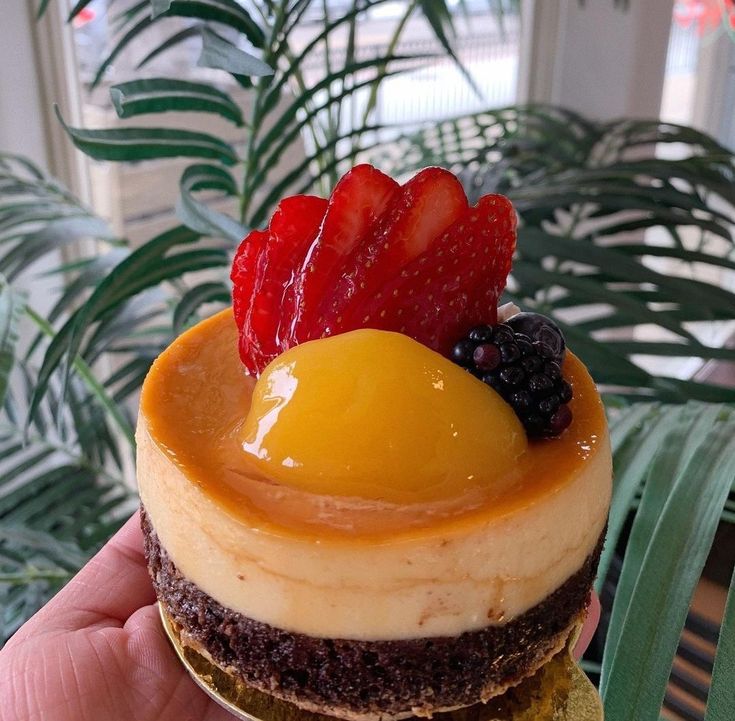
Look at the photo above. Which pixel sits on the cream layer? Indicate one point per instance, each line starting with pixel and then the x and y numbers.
pixel 431 584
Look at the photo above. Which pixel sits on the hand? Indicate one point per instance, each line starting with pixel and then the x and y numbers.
pixel 97 650
pixel 590 626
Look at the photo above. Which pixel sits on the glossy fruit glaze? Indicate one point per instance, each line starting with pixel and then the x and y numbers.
pixel 375 415
pixel 414 258
pixel 197 398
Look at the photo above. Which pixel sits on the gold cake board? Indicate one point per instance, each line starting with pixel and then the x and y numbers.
pixel 559 691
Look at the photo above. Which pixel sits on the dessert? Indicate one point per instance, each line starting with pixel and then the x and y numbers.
pixel 361 493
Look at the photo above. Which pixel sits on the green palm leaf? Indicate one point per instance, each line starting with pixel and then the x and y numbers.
pixel 137 273
pixel 227 12
pixel 86 374
pixel 260 214
pixel 194 298
pixel 12 305
pixel 33 566
pixel 290 113
pixel 584 213
pixel 158 95
pixel 196 215
pixel 131 34
pixel 272 155
pixel 128 13
pixel 58 498
pixel 149 143
pixel 632 462
pixel 170 42
pixel 721 700
pixel 221 54
pixel 682 517
pixel 30 245
pixel 271 97
pixel 440 19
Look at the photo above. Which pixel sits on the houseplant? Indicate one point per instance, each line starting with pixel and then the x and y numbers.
pixel 66 443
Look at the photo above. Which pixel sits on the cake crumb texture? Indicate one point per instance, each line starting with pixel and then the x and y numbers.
pixel 370 680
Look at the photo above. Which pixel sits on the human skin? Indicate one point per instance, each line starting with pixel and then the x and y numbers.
pixel 97 650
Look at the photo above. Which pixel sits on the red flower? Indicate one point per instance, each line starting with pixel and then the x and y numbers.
pixel 730 7
pixel 83 17
pixel 705 14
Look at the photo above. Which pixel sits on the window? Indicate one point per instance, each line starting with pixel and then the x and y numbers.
pixel 140 199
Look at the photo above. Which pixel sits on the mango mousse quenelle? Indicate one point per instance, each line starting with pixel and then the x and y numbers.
pixel 362 493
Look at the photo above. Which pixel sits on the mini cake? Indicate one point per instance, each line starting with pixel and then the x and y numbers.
pixel 361 493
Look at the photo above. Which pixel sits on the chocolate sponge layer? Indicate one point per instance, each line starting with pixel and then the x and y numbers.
pixel 370 679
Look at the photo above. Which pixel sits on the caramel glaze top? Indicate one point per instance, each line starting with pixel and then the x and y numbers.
pixel 195 400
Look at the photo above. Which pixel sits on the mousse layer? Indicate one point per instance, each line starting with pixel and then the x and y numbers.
pixel 334 567
pixel 370 679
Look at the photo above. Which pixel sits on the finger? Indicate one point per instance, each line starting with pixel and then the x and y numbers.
pixel 113 585
pixel 155 658
pixel 589 628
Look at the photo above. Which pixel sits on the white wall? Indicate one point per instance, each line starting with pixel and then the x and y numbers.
pixel 21 115
pixel 35 58
pixel 596 58
pixel 714 100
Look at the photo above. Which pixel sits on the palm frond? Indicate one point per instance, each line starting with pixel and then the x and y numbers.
pixel 33 566
pixel 61 494
pixel 170 42
pixel 38 216
pixel 194 298
pixel 685 483
pixel 196 215
pixel 160 95
pixel 611 237
pixel 221 54
pixel 150 143
pixel 12 304
pixel 227 12
pixel 721 699
pixel 143 269
pixel 272 68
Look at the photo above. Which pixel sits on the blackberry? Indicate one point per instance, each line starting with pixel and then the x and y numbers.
pixel 540 328
pixel 525 370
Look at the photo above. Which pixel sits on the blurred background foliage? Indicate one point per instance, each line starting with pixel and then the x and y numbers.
pixel 622 242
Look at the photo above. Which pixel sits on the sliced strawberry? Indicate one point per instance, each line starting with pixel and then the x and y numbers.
pixel 292 230
pixel 243 276
pixel 425 207
pixel 263 270
pixel 451 287
pixel 413 259
pixel 360 197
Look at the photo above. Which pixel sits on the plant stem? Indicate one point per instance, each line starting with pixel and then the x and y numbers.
pixel 259 87
pixel 392 45
pixel 332 127
pixel 271 57
pixel 10 431
pixel 301 83
pixel 349 60
pixel 87 375
pixel 31 573
pixel 35 574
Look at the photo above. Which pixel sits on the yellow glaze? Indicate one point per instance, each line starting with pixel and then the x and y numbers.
pixel 196 400
pixel 376 415
pixel 341 566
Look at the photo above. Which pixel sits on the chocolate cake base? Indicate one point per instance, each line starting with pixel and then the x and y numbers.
pixel 369 679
